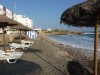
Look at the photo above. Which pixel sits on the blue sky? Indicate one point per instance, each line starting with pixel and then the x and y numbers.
pixel 44 13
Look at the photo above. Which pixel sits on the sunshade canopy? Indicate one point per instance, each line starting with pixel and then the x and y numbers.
pixel 83 14
pixel 4 21
pixel 21 27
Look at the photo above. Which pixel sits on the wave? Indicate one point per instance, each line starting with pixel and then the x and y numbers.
pixel 80 41
pixel 89 33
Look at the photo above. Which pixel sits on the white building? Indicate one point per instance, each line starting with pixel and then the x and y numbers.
pixel 29 23
pixel 9 14
pixel 14 17
pixel 2 10
pixel 49 29
pixel 6 12
pixel 25 21
pixel 20 18
pixel 32 34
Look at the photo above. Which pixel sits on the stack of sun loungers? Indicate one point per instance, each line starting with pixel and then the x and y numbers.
pixel 24 44
pixel 11 55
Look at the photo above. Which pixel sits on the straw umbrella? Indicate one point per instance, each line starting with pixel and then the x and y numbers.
pixel 86 14
pixel 4 22
pixel 21 27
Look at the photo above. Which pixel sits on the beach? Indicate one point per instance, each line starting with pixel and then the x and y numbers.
pixel 46 57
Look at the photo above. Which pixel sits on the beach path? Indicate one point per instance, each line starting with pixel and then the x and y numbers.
pixel 47 56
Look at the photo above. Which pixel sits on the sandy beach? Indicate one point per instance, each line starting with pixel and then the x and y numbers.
pixel 46 57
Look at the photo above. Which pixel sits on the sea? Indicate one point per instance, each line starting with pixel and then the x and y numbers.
pixel 85 40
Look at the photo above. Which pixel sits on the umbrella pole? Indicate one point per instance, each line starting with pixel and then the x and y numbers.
pixel 20 36
pixel 25 32
pixel 96 47
pixel 4 40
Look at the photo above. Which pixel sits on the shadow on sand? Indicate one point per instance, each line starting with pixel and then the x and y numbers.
pixel 21 67
pixel 76 68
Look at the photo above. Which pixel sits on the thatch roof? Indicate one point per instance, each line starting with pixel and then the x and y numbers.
pixel 83 14
pixel 4 21
pixel 21 27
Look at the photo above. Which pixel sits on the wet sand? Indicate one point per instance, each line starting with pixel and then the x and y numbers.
pixel 46 57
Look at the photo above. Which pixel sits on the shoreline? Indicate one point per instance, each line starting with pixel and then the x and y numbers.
pixel 63 46
pixel 84 56
pixel 82 48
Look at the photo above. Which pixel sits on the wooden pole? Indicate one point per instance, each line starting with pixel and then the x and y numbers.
pixel 20 35
pixel 96 47
pixel 4 40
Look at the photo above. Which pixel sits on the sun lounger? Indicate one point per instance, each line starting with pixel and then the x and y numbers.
pixel 23 45
pixel 10 56
pixel 15 45
pixel 27 41
pixel 16 54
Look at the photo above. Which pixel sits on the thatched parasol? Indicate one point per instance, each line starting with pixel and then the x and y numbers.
pixel 4 21
pixel 86 14
pixel 21 27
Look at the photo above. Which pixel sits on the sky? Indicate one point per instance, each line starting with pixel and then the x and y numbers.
pixel 44 13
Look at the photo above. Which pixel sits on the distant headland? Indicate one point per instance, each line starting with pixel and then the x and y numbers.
pixel 60 32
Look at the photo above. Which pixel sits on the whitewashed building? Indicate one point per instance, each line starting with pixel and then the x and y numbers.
pixel 49 29
pixel 20 18
pixel 29 23
pixel 2 10
pixel 25 20
pixel 9 14
pixel 32 34
pixel 14 16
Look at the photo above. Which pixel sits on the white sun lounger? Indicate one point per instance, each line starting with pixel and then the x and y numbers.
pixel 27 42
pixel 16 54
pixel 23 45
pixel 10 55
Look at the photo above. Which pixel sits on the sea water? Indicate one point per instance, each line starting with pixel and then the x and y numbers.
pixel 85 40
